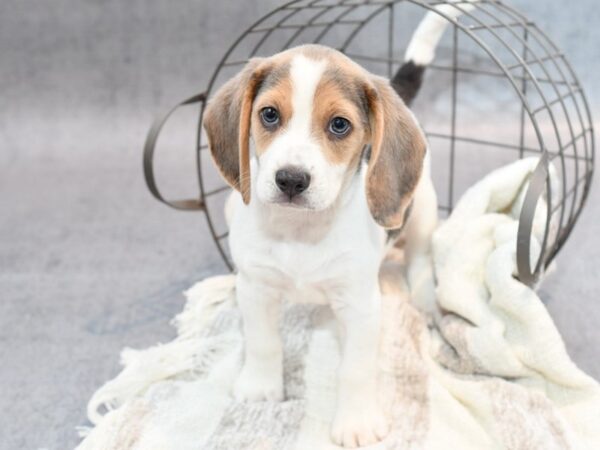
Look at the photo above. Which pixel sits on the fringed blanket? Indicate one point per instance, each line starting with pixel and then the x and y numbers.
pixel 469 359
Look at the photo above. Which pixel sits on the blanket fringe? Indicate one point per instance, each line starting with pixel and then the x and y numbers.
pixel 190 353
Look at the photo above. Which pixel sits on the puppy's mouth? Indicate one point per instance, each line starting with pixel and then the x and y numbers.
pixel 295 202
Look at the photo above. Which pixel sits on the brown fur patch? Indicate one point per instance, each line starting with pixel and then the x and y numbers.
pixel 279 96
pixel 398 150
pixel 379 117
pixel 331 100
pixel 227 124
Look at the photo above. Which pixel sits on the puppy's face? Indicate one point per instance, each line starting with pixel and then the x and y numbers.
pixel 310 124
pixel 311 112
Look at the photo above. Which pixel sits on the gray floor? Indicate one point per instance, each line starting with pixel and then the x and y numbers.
pixel 89 262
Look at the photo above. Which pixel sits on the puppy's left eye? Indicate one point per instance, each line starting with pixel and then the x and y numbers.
pixel 339 126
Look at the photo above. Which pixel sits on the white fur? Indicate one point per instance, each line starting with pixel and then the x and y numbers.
pixel 328 252
pixel 421 49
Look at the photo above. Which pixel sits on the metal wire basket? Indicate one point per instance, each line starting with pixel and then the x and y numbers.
pixel 498 90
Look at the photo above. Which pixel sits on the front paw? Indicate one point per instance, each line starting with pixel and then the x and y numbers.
pixel 359 426
pixel 254 385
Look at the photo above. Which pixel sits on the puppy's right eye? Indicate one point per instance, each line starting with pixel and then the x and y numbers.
pixel 269 116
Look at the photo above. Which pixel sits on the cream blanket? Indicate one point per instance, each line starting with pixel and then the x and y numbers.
pixel 470 358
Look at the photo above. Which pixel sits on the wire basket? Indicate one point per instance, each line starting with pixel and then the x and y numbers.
pixel 498 90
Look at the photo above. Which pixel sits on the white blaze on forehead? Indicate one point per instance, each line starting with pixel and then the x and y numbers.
pixel 305 74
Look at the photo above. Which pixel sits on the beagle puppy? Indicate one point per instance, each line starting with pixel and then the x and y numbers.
pixel 326 160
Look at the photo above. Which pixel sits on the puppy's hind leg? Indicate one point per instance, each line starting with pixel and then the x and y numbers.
pixel 261 377
pixel 423 219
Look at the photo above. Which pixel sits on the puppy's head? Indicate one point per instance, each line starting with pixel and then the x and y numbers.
pixel 311 113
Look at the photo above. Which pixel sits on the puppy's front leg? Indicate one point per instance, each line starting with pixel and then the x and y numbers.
pixel 359 419
pixel 261 377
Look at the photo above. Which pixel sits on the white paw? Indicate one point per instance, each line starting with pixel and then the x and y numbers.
pixel 254 386
pixel 358 427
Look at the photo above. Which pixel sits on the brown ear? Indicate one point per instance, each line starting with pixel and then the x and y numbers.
pixel 227 124
pixel 397 150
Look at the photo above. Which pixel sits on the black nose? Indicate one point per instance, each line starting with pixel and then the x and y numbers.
pixel 292 181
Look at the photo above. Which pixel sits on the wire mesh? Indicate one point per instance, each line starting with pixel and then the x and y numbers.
pixel 498 90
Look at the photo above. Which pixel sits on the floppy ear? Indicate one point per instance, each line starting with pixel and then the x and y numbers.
pixel 227 124
pixel 398 148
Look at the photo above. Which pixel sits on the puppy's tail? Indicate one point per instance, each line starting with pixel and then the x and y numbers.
pixel 421 49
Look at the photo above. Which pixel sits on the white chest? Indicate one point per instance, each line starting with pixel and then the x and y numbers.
pixel 304 263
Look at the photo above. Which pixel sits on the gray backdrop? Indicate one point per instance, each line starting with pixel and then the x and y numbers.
pixel 89 262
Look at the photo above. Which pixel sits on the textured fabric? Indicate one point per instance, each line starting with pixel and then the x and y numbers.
pixel 469 357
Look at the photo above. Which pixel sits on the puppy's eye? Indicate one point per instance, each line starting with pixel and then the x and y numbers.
pixel 339 126
pixel 269 116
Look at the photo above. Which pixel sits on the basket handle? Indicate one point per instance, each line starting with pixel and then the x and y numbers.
pixel 149 147
pixel 537 183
